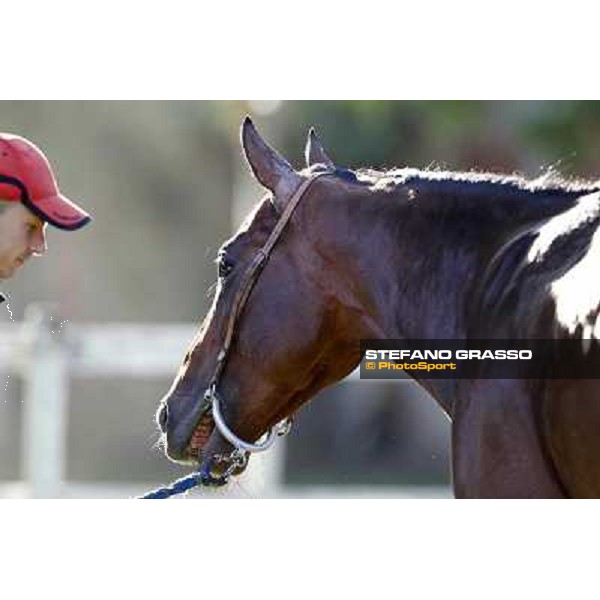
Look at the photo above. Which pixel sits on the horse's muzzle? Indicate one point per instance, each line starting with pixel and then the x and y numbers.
pixel 178 417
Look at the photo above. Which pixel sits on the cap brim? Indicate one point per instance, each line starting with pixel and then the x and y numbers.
pixel 59 211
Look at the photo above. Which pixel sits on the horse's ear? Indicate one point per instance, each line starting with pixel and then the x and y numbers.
pixel 314 151
pixel 268 166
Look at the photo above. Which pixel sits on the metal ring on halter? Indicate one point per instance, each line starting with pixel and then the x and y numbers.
pixel 280 429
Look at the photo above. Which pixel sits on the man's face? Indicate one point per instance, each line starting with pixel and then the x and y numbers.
pixel 22 235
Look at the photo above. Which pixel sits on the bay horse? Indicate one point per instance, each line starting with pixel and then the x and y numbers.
pixel 331 256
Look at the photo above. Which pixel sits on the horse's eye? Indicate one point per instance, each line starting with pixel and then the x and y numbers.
pixel 225 267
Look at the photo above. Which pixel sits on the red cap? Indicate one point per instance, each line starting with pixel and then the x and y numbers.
pixel 26 176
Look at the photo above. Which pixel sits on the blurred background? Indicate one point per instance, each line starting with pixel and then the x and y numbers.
pixel 166 184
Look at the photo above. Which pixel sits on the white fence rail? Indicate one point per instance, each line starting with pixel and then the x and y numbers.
pixel 46 355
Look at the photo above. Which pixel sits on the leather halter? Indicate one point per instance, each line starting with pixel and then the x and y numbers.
pixel 211 397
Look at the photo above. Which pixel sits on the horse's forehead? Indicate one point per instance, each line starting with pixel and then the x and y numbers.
pixel 255 223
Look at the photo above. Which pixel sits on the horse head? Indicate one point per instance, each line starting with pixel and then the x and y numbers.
pixel 282 324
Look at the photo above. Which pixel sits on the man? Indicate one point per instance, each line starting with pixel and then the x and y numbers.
pixel 29 200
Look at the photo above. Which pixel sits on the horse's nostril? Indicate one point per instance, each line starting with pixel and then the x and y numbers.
pixel 163 417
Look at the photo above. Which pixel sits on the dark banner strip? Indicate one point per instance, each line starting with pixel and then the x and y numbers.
pixel 480 359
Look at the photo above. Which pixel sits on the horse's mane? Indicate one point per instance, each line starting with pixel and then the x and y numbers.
pixel 550 182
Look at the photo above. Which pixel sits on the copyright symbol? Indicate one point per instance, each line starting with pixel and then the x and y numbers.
pixel 370 365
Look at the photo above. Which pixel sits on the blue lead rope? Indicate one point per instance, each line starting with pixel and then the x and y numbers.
pixel 177 487
pixel 199 478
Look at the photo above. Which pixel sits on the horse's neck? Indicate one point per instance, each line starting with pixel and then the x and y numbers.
pixel 434 253
pixel 420 266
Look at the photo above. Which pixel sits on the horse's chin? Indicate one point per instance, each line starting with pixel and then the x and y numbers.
pixel 217 446
pixel 206 445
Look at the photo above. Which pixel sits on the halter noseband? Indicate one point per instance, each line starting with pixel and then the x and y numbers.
pixel 239 456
